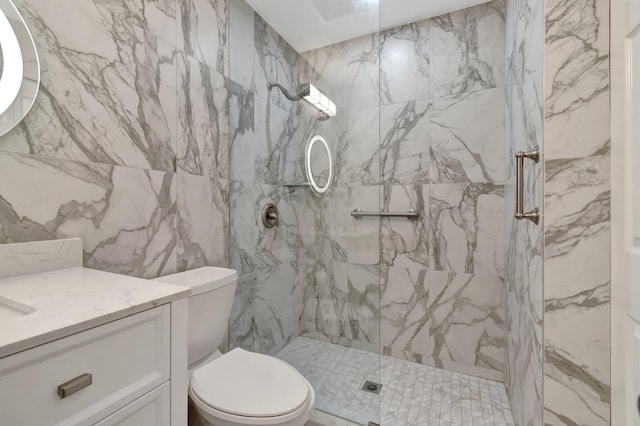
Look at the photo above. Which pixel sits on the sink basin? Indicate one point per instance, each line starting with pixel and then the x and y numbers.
pixel 10 309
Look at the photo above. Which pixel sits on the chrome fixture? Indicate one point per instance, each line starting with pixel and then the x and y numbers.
pixel 312 95
pixel 270 216
pixel 533 215
pixel 411 214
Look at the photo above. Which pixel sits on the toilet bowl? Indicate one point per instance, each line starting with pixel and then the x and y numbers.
pixel 245 388
pixel 240 387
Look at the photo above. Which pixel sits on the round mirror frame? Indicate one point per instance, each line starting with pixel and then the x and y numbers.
pixel 12 72
pixel 318 190
pixel 18 48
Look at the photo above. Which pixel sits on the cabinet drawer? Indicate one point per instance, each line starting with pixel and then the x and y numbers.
pixel 126 359
pixel 152 409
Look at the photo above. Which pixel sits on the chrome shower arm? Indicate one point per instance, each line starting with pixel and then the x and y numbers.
pixel 293 98
pixel 304 92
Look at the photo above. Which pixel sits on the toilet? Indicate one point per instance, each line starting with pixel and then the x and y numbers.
pixel 239 387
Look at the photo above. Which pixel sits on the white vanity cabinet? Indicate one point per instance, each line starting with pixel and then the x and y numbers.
pixel 123 371
pixel 85 347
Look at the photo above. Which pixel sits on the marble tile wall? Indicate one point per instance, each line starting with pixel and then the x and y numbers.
pixel 409 135
pixel 265 153
pixel 127 144
pixel 558 274
pixel 577 204
pixel 524 240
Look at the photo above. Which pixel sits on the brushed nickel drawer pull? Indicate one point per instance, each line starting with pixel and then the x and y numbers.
pixel 74 385
pixel 533 215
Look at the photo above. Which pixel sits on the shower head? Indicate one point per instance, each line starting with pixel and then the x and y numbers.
pixel 312 95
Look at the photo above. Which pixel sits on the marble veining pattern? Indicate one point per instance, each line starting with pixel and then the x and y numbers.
pixel 267 306
pixel 202 221
pixel 202 32
pixel 577 77
pixel 275 61
pixel 203 120
pixel 241 133
pixel 405 243
pixel 358 151
pixel 404 313
pixel 404 142
pixel 363 73
pixel 277 151
pixel 404 67
pixel 419 149
pixel 30 257
pixel 577 299
pixel 577 206
pixel 467 322
pixel 467 147
pixel 524 129
pixel 341 301
pixel 411 394
pixel 349 72
pixel 267 134
pixel 108 87
pixel 454 321
pixel 464 232
pixel 126 147
pixel 125 217
pixel 467 49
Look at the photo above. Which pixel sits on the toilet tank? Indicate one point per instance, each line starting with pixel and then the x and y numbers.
pixel 210 302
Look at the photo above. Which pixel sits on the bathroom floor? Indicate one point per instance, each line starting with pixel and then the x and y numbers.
pixel 411 394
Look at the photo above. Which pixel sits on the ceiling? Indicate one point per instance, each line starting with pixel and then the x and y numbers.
pixel 310 24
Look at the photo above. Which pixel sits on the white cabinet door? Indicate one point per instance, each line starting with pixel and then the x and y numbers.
pixel 125 358
pixel 150 410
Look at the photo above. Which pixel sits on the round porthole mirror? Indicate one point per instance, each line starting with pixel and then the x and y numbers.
pixel 19 67
pixel 318 165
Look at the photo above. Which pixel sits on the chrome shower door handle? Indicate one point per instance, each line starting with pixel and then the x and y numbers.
pixel 534 215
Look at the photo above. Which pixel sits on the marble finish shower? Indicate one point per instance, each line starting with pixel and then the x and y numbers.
pixel 420 125
pixel 430 117
pixel 406 136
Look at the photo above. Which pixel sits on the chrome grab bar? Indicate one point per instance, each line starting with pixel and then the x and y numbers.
pixel 411 214
pixel 534 215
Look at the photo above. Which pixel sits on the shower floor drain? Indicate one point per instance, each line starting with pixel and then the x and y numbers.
pixel 372 387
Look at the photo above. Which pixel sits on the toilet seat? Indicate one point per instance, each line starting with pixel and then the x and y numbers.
pixel 250 385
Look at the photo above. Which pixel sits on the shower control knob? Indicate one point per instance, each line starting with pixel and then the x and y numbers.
pixel 270 216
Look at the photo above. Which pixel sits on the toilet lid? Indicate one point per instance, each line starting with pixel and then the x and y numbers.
pixel 250 385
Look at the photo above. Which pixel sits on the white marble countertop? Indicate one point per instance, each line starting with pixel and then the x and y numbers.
pixel 72 300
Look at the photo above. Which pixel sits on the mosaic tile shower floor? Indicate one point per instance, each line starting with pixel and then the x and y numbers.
pixel 411 394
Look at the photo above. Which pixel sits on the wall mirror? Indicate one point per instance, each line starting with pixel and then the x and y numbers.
pixel 19 68
pixel 318 165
